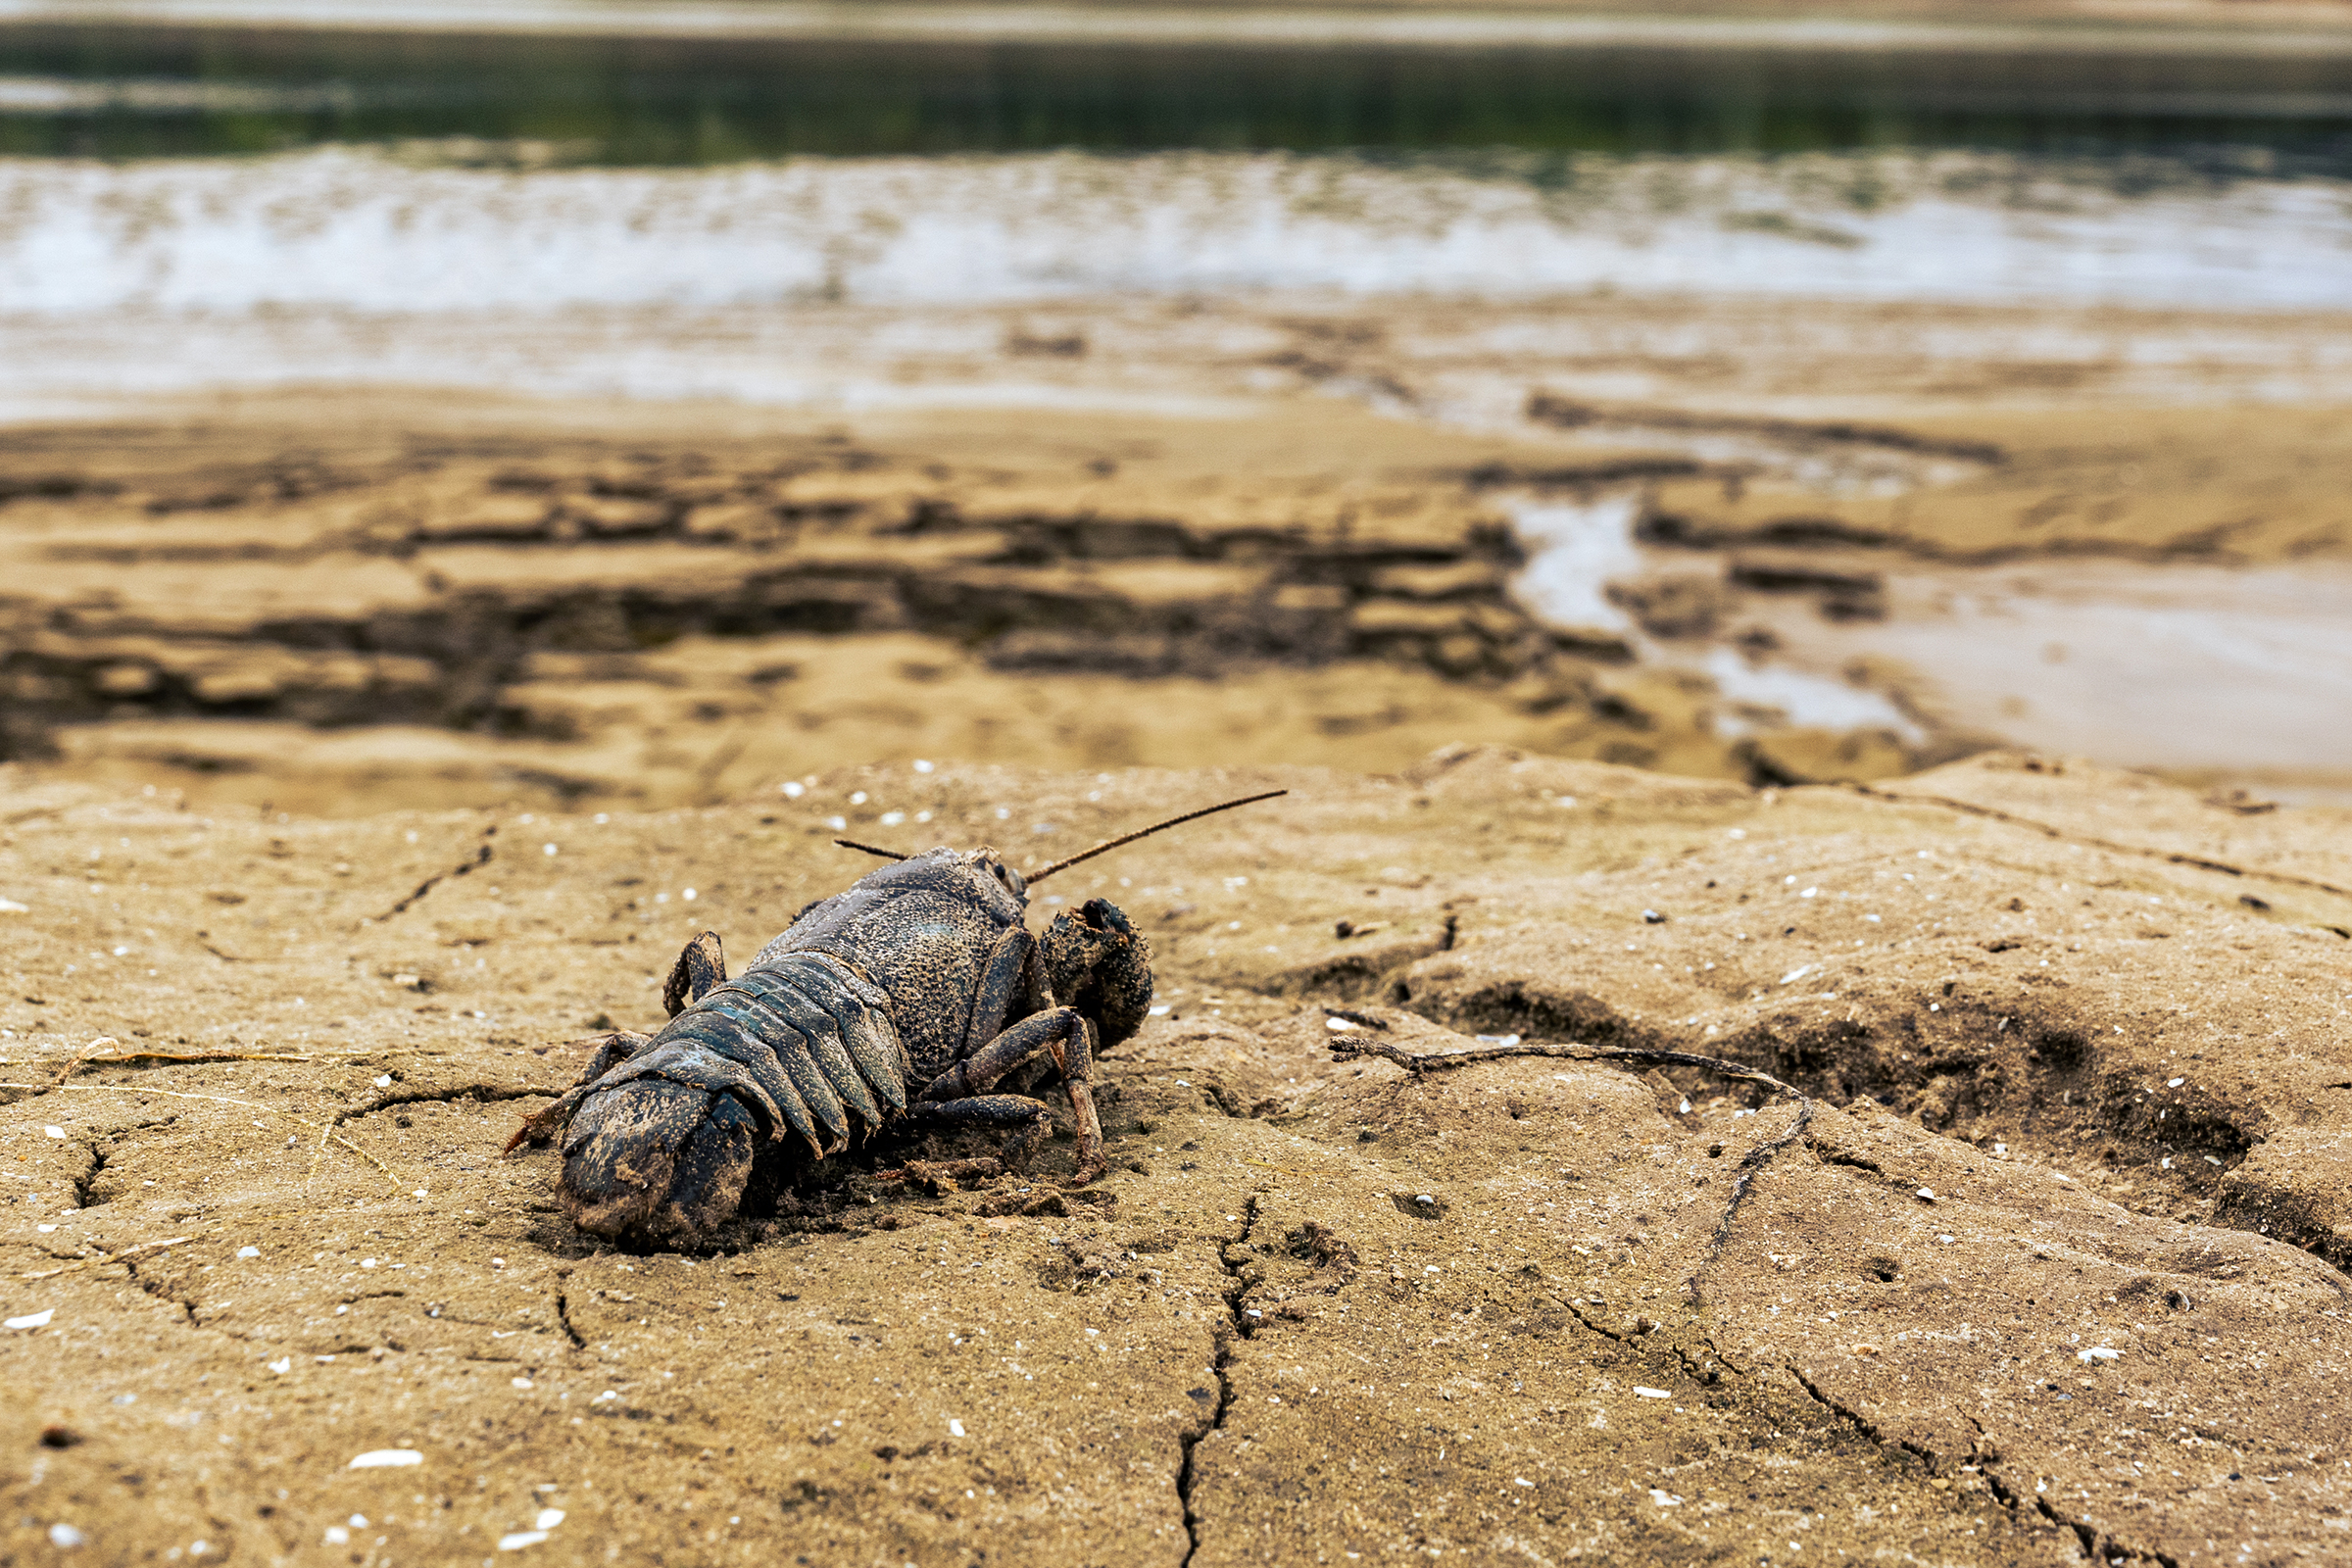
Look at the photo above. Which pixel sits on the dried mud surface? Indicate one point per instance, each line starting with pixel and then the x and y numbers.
pixel 658 613
pixel 2053 1276
pixel 346 601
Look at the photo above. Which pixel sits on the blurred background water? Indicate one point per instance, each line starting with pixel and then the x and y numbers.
pixel 1014 221
pixel 216 173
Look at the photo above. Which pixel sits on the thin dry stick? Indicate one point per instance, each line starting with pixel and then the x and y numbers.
pixel 104 1259
pixel 317 1152
pixel 1347 1047
pixel 224 1100
pixel 193 1056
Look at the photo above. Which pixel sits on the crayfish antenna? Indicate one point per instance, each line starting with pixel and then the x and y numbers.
pixel 868 849
pixel 1107 844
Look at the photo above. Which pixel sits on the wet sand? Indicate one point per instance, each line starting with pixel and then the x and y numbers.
pixel 1178 534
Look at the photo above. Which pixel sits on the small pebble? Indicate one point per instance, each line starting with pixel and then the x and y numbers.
pixel 954 1429
pixel 54 1132
pixel 383 1080
pixel 65 1537
pixel 386 1459
pixel 548 1519
pixel 521 1538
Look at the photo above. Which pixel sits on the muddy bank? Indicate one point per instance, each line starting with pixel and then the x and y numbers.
pixel 301 618
pixel 372 602
pixel 2094 1017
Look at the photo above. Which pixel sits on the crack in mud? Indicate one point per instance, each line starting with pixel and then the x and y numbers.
pixel 1750 1166
pixel 163 1293
pixel 481 858
pixel 1186 1476
pixel 2086 1536
pixel 563 1321
pixel 480 1094
pixel 86 1184
pixel 2143 851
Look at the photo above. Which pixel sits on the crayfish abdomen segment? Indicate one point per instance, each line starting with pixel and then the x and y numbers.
pixel 662 1146
pixel 665 1162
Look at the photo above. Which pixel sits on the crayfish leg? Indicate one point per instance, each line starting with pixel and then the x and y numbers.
pixel 700 967
pixel 1060 1032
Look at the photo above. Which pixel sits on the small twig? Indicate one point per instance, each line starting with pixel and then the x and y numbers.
pixel 1348 1047
pixel 317 1152
pixel 79 1062
pixel 390 1174
pixel 104 1259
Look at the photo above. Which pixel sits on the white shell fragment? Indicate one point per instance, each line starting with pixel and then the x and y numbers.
pixel 2098 1353
pixel 386 1458
pixel 32 1320
pixel 282 1366
pixel 954 1429
pixel 521 1538
pixel 54 1132
pixel 65 1537
pixel 1652 1393
pixel 548 1519
pixel 1928 1193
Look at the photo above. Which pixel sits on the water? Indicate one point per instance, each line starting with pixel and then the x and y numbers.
pixel 275 193
pixel 126 91
pixel 1576 549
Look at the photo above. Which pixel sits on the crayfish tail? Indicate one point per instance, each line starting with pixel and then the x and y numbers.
pixel 661 1163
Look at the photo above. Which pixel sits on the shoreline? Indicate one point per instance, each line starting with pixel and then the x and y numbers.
pixel 2313 34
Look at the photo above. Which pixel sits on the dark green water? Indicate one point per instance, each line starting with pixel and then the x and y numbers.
pixel 122 92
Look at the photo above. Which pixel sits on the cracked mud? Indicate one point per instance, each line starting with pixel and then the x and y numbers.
pixel 2052 1275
